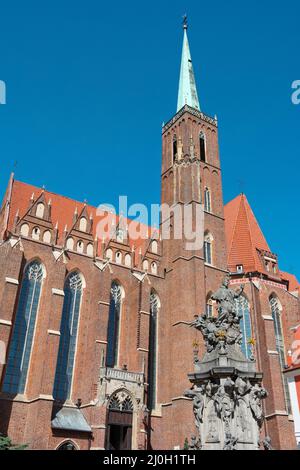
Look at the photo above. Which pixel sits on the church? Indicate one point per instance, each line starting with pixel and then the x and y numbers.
pixel 94 331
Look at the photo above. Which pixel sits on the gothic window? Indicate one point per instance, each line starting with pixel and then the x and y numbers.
pixel 90 249
pixel 113 325
pixel 154 246
pixel 109 254
pixel 68 336
pixel 127 260
pixel 40 209
pixel 70 243
pixel 120 401
pixel 152 360
pixel 23 330
pixel 207 201
pixel 209 306
pixel 145 265
pixel 153 268
pixel 174 147
pixel 68 445
pixel 47 236
pixel 208 248
pixel 119 257
pixel 243 308
pixel 202 147
pixel 36 233
pixel 83 224
pixel 80 246
pixel 276 315
pixel 24 230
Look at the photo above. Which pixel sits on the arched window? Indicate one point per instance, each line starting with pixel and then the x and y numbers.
pixel 70 243
pixel 202 147
pixel 276 309
pixel 47 236
pixel 83 224
pixel 208 239
pixel 80 246
pixel 174 147
pixel 127 260
pixel 153 268
pixel 113 325
pixel 145 265
pixel 109 254
pixel 119 257
pixel 40 209
pixel 90 249
pixel 152 360
pixel 67 445
pixel 154 246
pixel 24 230
pixel 68 336
pixel 23 330
pixel 209 305
pixel 207 201
pixel 36 233
pixel 243 309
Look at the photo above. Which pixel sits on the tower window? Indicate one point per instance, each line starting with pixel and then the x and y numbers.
pixel 207 202
pixel 202 147
pixel 208 248
pixel 174 148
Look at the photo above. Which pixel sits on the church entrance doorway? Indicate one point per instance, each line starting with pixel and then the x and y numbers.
pixel 119 422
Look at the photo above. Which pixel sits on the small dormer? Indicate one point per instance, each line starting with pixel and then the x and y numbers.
pixel 270 262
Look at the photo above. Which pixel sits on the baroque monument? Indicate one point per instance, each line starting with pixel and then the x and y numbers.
pixel 227 393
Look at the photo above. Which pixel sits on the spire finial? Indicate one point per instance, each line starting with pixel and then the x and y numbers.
pixel 185 21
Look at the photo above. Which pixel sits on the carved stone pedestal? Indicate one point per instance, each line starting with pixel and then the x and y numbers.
pixel 227 393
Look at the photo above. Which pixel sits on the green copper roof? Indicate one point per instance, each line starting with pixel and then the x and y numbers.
pixel 187 93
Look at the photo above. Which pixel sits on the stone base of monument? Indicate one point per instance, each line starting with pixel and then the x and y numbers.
pixel 227 413
pixel 227 393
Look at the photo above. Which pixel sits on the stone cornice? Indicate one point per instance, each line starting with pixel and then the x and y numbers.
pixel 193 112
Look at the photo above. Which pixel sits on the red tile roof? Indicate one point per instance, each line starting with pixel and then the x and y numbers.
pixel 243 236
pixel 62 212
pixel 244 239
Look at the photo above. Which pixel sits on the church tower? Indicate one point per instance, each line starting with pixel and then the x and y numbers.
pixel 191 178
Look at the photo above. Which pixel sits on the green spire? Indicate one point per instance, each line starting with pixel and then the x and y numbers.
pixel 187 93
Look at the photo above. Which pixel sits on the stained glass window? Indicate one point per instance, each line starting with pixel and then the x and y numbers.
pixel 68 337
pixel 243 309
pixel 113 325
pixel 276 315
pixel 23 329
pixel 152 361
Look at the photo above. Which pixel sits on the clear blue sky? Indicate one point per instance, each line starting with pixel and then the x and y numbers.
pixel 89 84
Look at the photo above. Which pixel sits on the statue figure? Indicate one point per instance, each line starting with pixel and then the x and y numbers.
pixel 230 442
pixel 225 298
pixel 224 402
pixel 198 406
pixel 224 330
pixel 267 443
pixel 195 443
pixel 242 387
pixel 257 393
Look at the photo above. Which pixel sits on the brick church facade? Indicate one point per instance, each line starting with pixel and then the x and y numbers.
pixel 94 329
